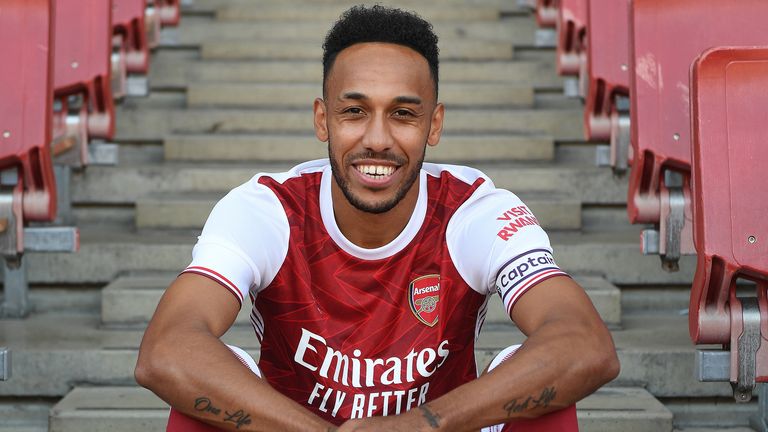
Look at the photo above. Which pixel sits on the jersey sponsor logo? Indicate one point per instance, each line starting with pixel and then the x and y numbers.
pixel 423 296
pixel 346 378
pixel 516 218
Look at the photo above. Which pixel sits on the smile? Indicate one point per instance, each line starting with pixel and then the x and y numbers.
pixel 375 171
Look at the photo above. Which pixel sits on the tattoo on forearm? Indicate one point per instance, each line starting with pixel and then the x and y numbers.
pixel 516 405
pixel 432 418
pixel 239 417
pixel 204 404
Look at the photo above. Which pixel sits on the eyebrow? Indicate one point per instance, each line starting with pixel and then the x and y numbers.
pixel 399 99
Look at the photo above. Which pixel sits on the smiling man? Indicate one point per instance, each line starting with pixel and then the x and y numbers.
pixel 370 273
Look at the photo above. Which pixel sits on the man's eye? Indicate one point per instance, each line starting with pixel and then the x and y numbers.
pixel 353 110
pixel 403 113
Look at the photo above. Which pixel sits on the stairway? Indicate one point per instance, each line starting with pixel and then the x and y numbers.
pixel 231 96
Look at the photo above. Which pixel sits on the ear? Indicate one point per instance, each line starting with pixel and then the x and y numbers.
pixel 436 125
pixel 321 126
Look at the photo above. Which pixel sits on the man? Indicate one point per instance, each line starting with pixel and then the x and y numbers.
pixel 370 274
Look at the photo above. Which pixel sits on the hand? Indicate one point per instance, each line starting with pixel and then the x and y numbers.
pixel 419 419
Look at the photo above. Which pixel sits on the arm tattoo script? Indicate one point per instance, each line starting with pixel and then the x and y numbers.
pixel 516 405
pixel 432 418
pixel 239 417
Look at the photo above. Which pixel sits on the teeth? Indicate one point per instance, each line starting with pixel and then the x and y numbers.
pixel 376 170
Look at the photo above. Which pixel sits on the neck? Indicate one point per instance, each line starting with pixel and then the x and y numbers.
pixel 369 230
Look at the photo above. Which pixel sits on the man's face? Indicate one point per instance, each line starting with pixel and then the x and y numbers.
pixel 379 112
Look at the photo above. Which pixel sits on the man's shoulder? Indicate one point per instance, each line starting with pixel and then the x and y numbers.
pixel 460 173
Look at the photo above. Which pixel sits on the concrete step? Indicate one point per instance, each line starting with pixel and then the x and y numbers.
pixel 128 409
pixel 196 30
pixel 131 300
pixel 280 148
pixel 260 13
pixel 143 123
pixel 24 416
pixel 170 71
pixel 191 211
pixel 54 352
pixel 126 183
pixel 299 95
pixel 108 252
pixel 210 6
pixel 312 50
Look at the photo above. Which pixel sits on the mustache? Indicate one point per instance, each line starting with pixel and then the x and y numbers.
pixel 381 156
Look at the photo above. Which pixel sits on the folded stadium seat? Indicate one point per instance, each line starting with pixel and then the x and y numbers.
pixel 170 12
pixel 666 37
pixel 729 106
pixel 546 13
pixel 131 46
pixel 27 181
pixel 83 107
pixel 606 102
pixel 571 38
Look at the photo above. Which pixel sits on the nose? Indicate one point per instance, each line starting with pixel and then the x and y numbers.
pixel 378 135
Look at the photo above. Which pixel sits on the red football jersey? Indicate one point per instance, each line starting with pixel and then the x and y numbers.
pixel 352 332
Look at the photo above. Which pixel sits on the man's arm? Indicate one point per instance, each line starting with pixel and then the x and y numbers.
pixel 568 355
pixel 182 360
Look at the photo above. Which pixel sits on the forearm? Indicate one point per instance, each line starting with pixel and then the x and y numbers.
pixel 203 379
pixel 558 365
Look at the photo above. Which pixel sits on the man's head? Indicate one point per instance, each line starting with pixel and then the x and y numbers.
pixel 361 24
pixel 380 106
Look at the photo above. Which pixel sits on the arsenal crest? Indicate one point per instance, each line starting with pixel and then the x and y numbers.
pixel 423 296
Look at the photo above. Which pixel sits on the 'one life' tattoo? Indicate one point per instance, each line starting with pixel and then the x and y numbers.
pixel 516 405
pixel 239 418
pixel 432 418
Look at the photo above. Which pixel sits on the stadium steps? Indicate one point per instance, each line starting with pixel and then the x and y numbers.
pixel 131 300
pixel 145 121
pixel 191 211
pixel 183 68
pixel 306 50
pixel 195 30
pixel 56 351
pixel 87 338
pixel 123 409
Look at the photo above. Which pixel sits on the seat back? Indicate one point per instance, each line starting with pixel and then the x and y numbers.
pixel 546 13
pixel 170 12
pixel 26 42
pixel 82 61
pixel 665 39
pixel 571 35
pixel 607 64
pixel 729 105
pixel 128 23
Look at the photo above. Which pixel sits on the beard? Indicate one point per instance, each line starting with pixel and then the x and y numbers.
pixel 380 206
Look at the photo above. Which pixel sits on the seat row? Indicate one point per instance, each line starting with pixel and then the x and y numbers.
pixel 680 90
pixel 65 62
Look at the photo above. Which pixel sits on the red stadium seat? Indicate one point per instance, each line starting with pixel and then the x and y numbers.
pixel 130 30
pixel 546 13
pixel 170 12
pixel 26 83
pixel 666 38
pixel 84 107
pixel 729 103
pixel 571 32
pixel 606 113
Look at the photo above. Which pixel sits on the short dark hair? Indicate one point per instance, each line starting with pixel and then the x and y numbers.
pixel 377 23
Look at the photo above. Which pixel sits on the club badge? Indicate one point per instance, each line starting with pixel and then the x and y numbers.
pixel 423 296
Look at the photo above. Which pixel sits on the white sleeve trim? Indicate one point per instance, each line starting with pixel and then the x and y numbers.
pixel 245 240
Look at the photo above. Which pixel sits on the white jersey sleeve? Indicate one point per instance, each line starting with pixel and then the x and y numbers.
pixel 244 241
pixel 496 243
